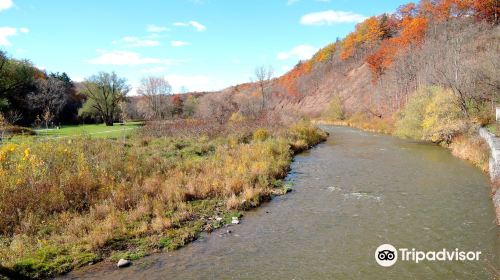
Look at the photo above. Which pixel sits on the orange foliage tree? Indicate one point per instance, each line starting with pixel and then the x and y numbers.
pixel 325 53
pixel 381 60
pixel 368 33
pixel 348 45
pixel 413 31
pixel 289 80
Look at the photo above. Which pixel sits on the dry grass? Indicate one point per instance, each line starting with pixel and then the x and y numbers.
pixel 473 149
pixel 64 204
pixel 373 124
pixel 361 121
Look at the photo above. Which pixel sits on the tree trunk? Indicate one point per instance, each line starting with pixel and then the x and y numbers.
pixel 109 121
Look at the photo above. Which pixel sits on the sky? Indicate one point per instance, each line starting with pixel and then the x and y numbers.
pixel 197 45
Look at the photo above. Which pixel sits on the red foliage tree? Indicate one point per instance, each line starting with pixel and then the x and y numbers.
pixel 407 10
pixel 381 60
pixel 177 104
pixel 487 10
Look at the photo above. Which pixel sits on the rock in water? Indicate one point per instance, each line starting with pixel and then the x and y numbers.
pixel 235 221
pixel 123 263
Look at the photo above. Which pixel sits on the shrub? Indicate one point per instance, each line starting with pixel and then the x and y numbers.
pixel 335 110
pixel 237 117
pixel 303 135
pixel 431 114
pixel 410 119
pixel 443 118
pixel 260 134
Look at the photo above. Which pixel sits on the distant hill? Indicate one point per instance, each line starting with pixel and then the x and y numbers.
pixel 451 43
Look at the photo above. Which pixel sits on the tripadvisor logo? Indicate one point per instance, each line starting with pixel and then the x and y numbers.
pixel 386 255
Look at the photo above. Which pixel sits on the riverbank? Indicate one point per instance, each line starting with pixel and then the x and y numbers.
pixel 350 194
pixel 494 166
pixel 69 203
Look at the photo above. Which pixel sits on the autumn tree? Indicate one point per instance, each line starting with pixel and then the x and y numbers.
pixel 389 26
pixel 177 105
pixel 407 11
pixel 17 80
pixel 49 98
pixel 104 92
pixel 216 107
pixel 155 90
pixel 487 10
pixel 263 76
pixel 373 31
pixel 381 60
pixel 325 53
pixel 413 31
pixel 189 106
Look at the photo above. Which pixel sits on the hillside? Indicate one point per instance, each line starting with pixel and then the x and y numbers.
pixel 377 67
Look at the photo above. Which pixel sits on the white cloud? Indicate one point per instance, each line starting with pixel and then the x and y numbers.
pixel 5 33
pixel 5 5
pixel 158 69
pixel 78 79
pixel 178 43
pixel 331 17
pixel 135 42
pixel 301 52
pixel 198 26
pixel 195 82
pixel 152 28
pixel 180 24
pixel 117 57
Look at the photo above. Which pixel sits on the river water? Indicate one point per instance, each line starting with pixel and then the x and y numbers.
pixel 351 194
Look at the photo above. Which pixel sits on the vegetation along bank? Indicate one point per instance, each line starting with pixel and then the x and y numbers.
pixel 83 200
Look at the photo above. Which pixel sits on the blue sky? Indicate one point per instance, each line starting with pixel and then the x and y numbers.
pixel 198 44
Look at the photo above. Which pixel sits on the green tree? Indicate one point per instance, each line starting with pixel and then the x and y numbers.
pixel 409 124
pixel 189 106
pixel 335 109
pixel 431 114
pixel 17 79
pixel 104 92
pixel 443 118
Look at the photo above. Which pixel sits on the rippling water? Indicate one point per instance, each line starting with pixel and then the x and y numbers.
pixel 351 194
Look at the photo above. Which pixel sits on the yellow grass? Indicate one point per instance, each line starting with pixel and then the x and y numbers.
pixel 67 203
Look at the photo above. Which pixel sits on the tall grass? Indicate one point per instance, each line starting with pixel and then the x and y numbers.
pixel 66 203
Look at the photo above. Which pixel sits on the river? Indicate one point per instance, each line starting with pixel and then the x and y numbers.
pixel 351 194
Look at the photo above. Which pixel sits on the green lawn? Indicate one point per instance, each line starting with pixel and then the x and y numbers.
pixel 92 130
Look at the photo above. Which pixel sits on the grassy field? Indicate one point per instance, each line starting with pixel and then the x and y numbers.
pixel 93 130
pixel 71 202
